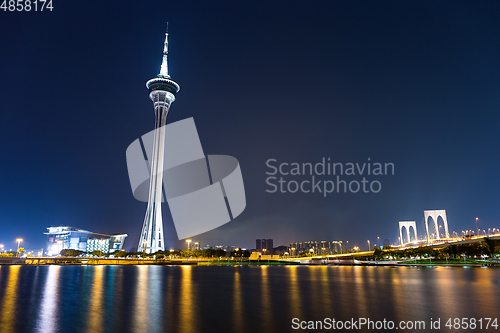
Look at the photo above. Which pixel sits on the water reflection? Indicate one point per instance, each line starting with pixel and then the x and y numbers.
pixel 325 286
pixel 314 286
pixel 294 292
pixel 198 299
pixel 96 306
pixel 187 313
pixel 140 320
pixel 7 318
pixel 155 303
pixel 237 303
pixel 47 319
pixel 266 312
pixel 359 290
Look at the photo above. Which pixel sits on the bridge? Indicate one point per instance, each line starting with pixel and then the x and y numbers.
pixel 445 242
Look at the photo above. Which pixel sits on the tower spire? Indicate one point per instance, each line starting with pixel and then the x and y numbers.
pixel 164 63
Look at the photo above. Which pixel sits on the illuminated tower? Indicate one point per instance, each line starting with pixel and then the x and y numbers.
pixel 162 90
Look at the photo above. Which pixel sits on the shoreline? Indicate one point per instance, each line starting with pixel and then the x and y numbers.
pixel 141 262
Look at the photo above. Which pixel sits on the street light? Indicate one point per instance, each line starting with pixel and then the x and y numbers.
pixel 378 239
pixel 19 240
pixel 188 241
pixel 368 245
pixel 1 246
pixel 476 226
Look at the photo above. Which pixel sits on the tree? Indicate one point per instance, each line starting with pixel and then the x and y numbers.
pixel 70 253
pixel 97 253
pixel 491 244
pixel 220 253
pixel 377 252
pixel 20 251
pixel 120 254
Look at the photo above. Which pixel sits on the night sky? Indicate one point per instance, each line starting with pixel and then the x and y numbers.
pixel 410 83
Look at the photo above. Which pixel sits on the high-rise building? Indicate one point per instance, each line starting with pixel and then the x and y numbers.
pixel 316 247
pixel 264 245
pixel 162 91
pixel 66 237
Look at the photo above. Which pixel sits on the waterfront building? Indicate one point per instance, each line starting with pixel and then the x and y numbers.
pixel 316 247
pixel 264 245
pixel 66 237
pixel 162 91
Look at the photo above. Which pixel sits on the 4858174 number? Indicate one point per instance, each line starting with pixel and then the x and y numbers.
pixel 471 323
pixel 26 5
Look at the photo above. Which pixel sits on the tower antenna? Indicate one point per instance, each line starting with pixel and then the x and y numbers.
pixel 164 63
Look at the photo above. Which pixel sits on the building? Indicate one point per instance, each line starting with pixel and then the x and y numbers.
pixel 65 237
pixel 316 247
pixel 264 245
pixel 162 91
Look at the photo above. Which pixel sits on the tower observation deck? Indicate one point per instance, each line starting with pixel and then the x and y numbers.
pixel 162 91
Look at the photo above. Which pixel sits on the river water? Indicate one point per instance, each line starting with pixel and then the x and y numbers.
pixel 238 299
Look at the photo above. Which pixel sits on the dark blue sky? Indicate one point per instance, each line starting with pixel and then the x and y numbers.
pixel 412 83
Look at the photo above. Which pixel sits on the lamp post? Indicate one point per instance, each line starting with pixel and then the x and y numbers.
pixel 188 241
pixel 19 240
pixel 368 245
pixel 378 239
pixel 477 227
pixel 1 247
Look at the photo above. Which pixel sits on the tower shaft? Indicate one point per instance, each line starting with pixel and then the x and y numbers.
pixel 162 92
pixel 152 239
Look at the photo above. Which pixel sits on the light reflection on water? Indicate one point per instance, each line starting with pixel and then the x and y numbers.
pixel 187 310
pixel 96 306
pixel 49 302
pixel 140 305
pixel 234 299
pixel 237 306
pixel 9 301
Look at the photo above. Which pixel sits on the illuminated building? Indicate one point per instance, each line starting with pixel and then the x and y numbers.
pixel 65 237
pixel 162 91
pixel 264 245
pixel 317 247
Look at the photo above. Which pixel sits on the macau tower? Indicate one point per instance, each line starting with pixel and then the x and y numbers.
pixel 162 91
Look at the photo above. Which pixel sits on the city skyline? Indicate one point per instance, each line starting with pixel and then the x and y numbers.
pixel 410 84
